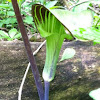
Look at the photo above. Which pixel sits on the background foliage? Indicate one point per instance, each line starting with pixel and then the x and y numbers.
pixel 8 24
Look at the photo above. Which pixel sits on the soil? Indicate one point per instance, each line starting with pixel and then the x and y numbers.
pixel 74 78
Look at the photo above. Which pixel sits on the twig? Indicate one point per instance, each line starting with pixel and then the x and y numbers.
pixel 27 25
pixel 98 13
pixel 28 28
pixel 27 69
pixel 3 29
pixel 66 3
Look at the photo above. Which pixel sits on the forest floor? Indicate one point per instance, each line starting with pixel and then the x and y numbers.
pixel 74 78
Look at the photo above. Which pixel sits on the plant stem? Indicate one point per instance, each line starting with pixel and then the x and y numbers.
pixel 97 12
pixel 27 69
pixel 28 50
pixel 47 85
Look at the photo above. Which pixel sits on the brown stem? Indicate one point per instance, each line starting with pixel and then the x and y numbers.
pixel 28 50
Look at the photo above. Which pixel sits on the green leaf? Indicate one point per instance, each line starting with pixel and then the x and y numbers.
pixel 73 20
pixel 1 23
pixel 3 34
pixel 90 34
pixel 82 30
pixel 17 36
pixel 13 32
pixel 28 20
pixel 9 20
pixel 4 6
pixel 10 13
pixel 13 20
pixel 68 53
pixel 95 94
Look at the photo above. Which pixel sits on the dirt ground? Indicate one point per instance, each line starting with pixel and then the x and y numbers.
pixel 74 78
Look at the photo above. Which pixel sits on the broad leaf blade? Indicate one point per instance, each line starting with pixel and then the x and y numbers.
pixel 73 20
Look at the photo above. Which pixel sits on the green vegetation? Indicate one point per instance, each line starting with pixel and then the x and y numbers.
pixel 54 24
pixel 54 32
pixel 11 35
pixel 8 20
pixel 91 33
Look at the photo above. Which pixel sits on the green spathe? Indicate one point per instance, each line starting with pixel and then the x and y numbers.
pixel 53 47
pixel 54 32
pixel 51 25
